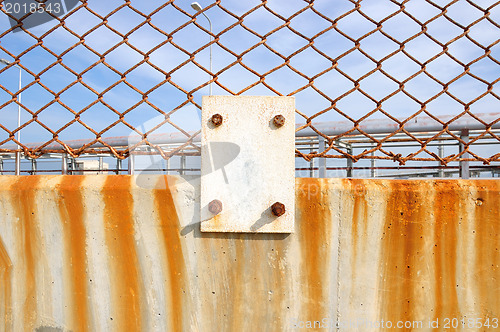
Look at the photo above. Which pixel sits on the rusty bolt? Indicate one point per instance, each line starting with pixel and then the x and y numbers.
pixel 215 206
pixel 279 120
pixel 278 209
pixel 216 120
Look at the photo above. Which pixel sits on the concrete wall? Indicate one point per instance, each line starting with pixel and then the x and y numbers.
pixel 116 253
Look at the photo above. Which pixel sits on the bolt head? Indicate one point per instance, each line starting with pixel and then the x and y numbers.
pixel 215 206
pixel 216 120
pixel 279 120
pixel 278 209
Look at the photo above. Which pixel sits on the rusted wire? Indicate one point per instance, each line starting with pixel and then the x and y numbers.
pixel 358 8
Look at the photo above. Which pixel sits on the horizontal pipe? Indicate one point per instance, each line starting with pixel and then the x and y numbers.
pixel 417 124
pixel 332 128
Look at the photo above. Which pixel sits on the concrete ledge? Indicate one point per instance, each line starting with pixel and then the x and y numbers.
pixel 125 253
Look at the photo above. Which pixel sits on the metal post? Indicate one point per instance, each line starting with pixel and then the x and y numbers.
pixel 72 166
pixel 440 154
pixel 64 164
pixel 210 47
pixel 196 6
pixel 100 165
pixel 131 164
pixel 33 166
pixel 168 166
pixel 322 161
pixel 464 165
pixel 18 153
pixel 311 163
pixel 118 165
pixel 349 162
pixel 183 165
pixel 211 74
pixel 373 171
pixel 1 166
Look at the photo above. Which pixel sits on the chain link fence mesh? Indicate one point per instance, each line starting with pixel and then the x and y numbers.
pixel 103 68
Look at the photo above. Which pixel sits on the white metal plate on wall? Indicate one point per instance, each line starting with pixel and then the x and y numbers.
pixel 248 163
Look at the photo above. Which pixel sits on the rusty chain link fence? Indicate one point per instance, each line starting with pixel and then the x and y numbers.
pixel 102 69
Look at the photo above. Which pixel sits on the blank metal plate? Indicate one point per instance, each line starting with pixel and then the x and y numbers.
pixel 248 164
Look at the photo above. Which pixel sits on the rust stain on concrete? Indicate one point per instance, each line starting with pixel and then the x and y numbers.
pixel 447 214
pixel 314 231
pixel 238 267
pixel 237 275
pixel 5 287
pixel 258 272
pixel 170 227
pixel 359 216
pixel 123 260
pixel 23 195
pixel 264 281
pixel 280 279
pixel 403 240
pixel 223 256
pixel 72 214
pixel 487 244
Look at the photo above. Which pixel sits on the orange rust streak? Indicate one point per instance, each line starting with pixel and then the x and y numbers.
pixel 402 244
pixel 359 215
pixel 446 210
pixel 119 230
pixel 354 227
pixel 315 239
pixel 488 247
pixel 279 280
pixel 169 223
pixel 237 282
pixel 6 287
pixel 23 193
pixel 71 211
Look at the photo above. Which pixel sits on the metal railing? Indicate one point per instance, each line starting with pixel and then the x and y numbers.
pixel 187 161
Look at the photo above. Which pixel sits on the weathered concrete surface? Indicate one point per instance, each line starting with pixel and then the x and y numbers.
pixel 114 253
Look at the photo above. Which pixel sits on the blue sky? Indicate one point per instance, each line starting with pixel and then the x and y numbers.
pixel 261 59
